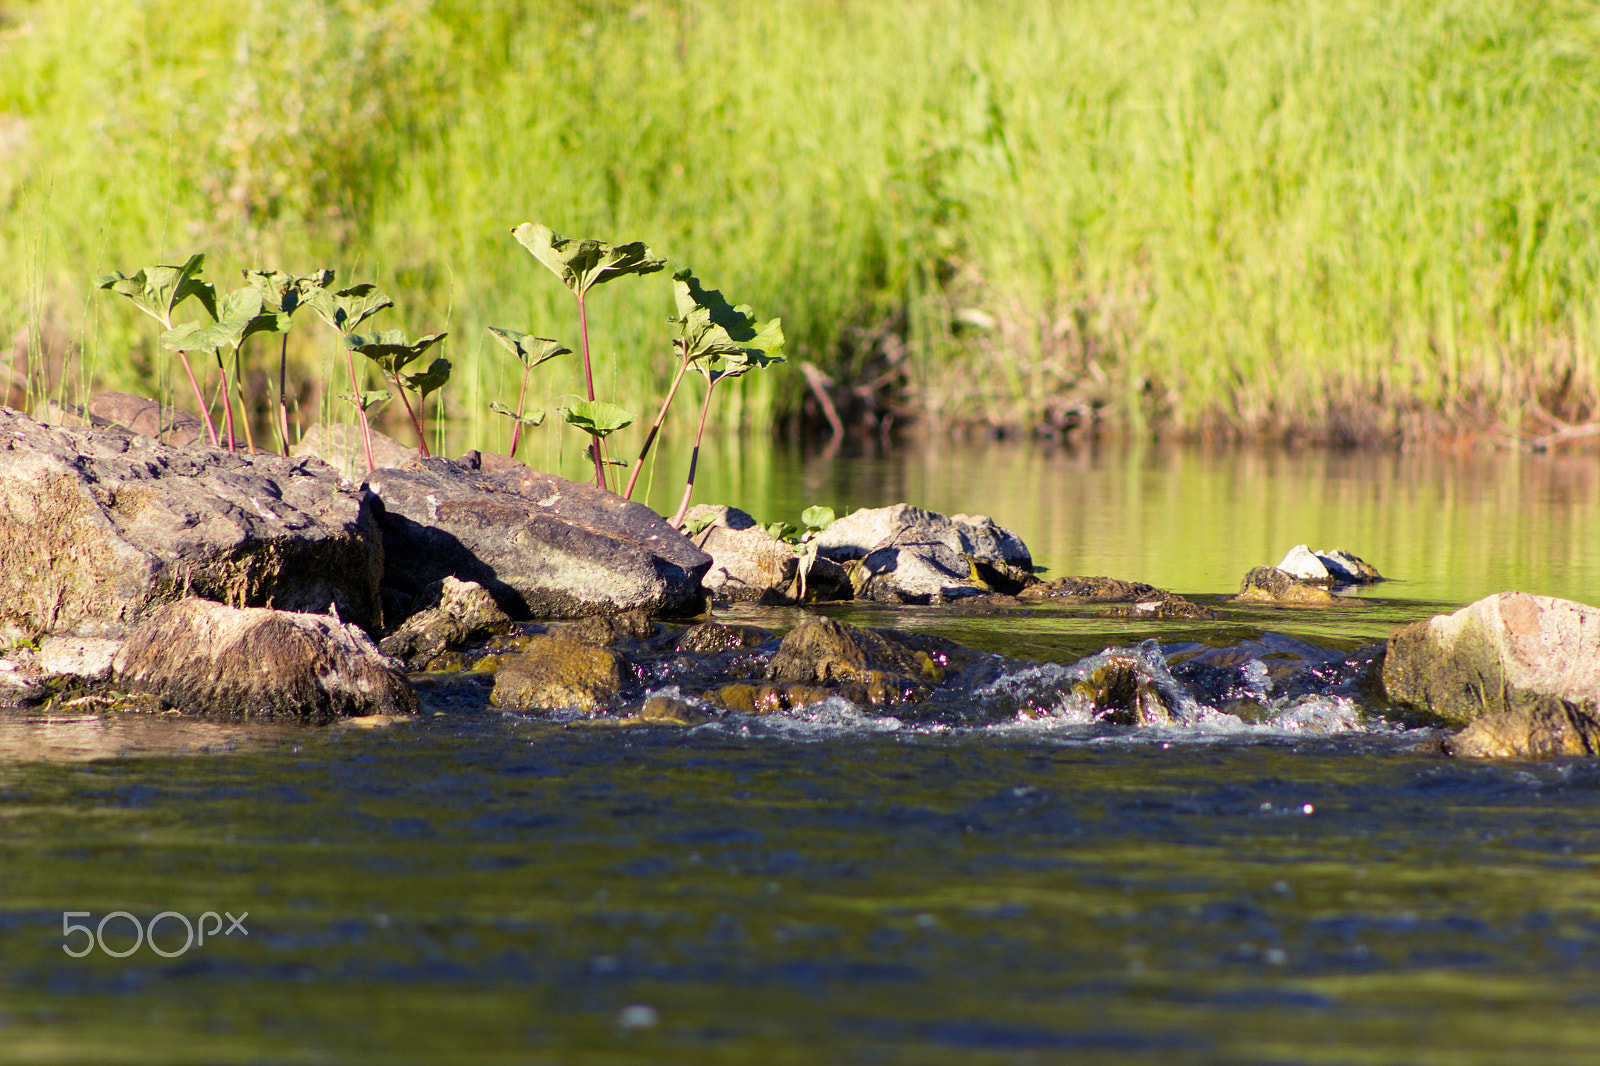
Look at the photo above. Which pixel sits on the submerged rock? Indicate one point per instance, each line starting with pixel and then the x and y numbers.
pixel 708 638
pixel 545 547
pixel 452 613
pixel 904 554
pixel 1134 597
pixel 207 658
pixel 99 528
pixel 553 672
pixel 1544 730
pixel 1268 584
pixel 1507 652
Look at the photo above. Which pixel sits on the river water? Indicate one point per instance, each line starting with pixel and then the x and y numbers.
pixel 834 886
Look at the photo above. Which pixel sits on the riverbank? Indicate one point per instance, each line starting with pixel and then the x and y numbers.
pixel 1348 222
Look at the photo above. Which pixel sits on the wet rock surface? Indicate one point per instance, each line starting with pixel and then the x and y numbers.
pixel 450 613
pixel 1549 728
pixel 1126 598
pixel 1506 652
pixel 208 658
pixel 545 547
pixel 97 529
pixel 553 671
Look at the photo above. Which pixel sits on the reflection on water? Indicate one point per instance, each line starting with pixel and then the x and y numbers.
pixel 38 736
pixel 1449 528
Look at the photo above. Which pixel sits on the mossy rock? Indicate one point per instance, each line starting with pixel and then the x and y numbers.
pixel 553 672
pixel 709 638
pixel 1269 585
pixel 1550 728
pixel 823 651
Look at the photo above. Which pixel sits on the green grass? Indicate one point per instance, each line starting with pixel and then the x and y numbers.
pixel 1348 219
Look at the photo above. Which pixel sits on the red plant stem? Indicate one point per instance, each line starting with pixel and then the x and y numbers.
pixel 583 332
pixel 227 404
pixel 661 416
pixel 516 430
pixel 422 438
pixel 694 459
pixel 361 412
pixel 597 450
pixel 199 398
pixel 283 399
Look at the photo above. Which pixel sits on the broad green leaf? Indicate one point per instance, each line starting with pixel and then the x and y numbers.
pixel 431 379
pixel 583 264
pixel 158 290
pixel 595 417
pixel 284 294
pixel 390 349
pixel 697 525
pixel 534 419
pixel 817 518
pixel 722 340
pixel 369 400
pixel 239 316
pixel 780 530
pixel 346 309
pixel 529 349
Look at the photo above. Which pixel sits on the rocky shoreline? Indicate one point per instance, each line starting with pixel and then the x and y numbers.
pixel 141 575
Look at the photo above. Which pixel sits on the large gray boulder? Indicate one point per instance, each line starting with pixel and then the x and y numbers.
pixel 1507 652
pixel 904 554
pixel 545 547
pixel 99 527
pixel 207 658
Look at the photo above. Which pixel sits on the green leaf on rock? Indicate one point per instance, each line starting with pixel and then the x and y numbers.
pixel 697 525
pixel 583 264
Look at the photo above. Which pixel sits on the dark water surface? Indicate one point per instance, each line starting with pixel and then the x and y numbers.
pixel 837 887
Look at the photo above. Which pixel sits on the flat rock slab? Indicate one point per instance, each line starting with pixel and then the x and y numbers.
pixel 1507 652
pixel 545 547
pixel 207 658
pixel 98 528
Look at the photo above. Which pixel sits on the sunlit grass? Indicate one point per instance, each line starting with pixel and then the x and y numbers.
pixel 1350 216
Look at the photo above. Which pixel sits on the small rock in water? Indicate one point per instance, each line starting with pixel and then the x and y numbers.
pixel 637 1016
pixel 552 672
pixel 1303 565
pixel 1268 584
